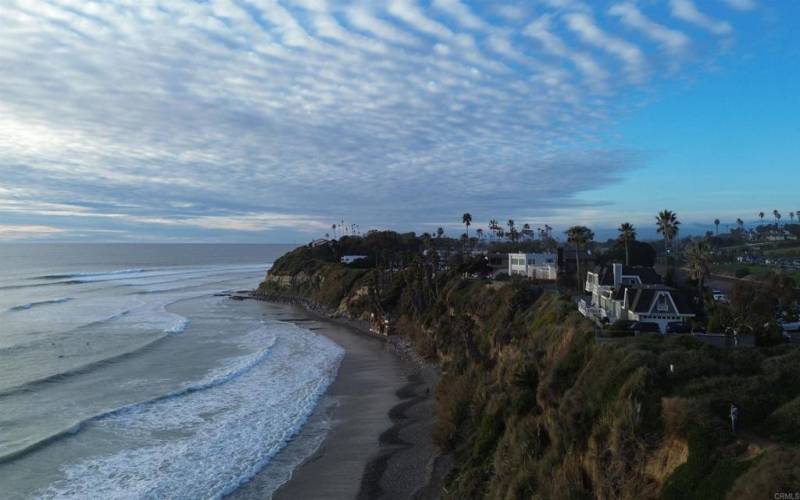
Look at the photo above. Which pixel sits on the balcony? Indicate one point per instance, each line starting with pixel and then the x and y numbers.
pixel 593 313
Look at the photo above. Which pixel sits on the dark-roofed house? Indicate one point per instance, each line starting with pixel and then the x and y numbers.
pixel 636 294
pixel 654 304
pixel 603 282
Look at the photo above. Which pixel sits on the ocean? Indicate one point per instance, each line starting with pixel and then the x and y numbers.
pixel 126 373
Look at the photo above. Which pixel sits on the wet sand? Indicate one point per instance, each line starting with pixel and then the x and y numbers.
pixel 380 415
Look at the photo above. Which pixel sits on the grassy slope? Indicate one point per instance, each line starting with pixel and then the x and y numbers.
pixel 532 406
pixel 754 270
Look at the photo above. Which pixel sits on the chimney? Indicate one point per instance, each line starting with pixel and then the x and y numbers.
pixel 617 274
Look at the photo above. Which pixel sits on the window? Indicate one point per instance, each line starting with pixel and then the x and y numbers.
pixel 663 304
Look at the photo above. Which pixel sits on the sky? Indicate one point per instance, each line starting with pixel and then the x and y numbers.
pixel 271 120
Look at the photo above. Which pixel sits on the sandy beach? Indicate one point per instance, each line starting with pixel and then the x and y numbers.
pixel 378 414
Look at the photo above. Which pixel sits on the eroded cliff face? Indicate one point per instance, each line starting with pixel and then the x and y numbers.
pixel 532 405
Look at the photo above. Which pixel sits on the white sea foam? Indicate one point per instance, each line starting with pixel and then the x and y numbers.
pixel 79 274
pixel 106 321
pixel 145 276
pixel 221 432
pixel 30 305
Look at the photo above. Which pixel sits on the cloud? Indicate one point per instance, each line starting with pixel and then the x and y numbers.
pixel 584 26
pixel 687 11
pixel 362 19
pixel 462 13
pixel 410 12
pixel 630 15
pixel 27 232
pixel 262 118
pixel 541 30
pixel 252 222
pixel 743 5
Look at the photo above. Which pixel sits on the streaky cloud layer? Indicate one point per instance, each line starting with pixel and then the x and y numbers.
pixel 209 119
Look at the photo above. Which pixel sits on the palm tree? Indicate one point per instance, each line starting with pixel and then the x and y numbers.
pixel 479 232
pixel 333 226
pixel 494 227
pixel 526 231
pixel 716 223
pixel 579 236
pixel 627 233
pixel 467 220
pixel 667 223
pixel 739 223
pixel 698 259
pixel 777 216
pixel 511 228
pixel 439 232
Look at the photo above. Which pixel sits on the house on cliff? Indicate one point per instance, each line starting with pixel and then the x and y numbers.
pixel 540 266
pixel 633 293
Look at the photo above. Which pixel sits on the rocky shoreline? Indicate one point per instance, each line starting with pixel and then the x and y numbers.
pixel 402 347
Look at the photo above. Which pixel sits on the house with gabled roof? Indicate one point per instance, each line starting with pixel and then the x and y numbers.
pixel 634 293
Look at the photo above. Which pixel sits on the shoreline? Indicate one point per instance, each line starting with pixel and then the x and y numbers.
pixel 379 443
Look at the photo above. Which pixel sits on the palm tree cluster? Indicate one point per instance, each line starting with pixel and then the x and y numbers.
pixel 776 214
pixel 510 230
pixel 344 229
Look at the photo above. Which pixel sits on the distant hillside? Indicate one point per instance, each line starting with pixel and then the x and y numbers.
pixel 531 405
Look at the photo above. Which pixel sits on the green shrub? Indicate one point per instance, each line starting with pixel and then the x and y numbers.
pixel 453 396
pixel 784 423
pixel 777 471
pixel 487 434
pixel 742 272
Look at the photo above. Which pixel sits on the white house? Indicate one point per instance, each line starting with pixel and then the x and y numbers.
pixel 602 283
pixel 635 294
pixel 541 266
pixel 349 259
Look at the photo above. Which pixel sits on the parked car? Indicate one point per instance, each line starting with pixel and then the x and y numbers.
pixel 645 327
pixel 678 327
pixel 790 326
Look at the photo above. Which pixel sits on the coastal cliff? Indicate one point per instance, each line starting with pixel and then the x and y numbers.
pixel 531 404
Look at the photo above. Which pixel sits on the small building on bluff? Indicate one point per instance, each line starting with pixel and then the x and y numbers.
pixel 540 266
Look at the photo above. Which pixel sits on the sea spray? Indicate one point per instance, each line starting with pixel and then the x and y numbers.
pixel 233 427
